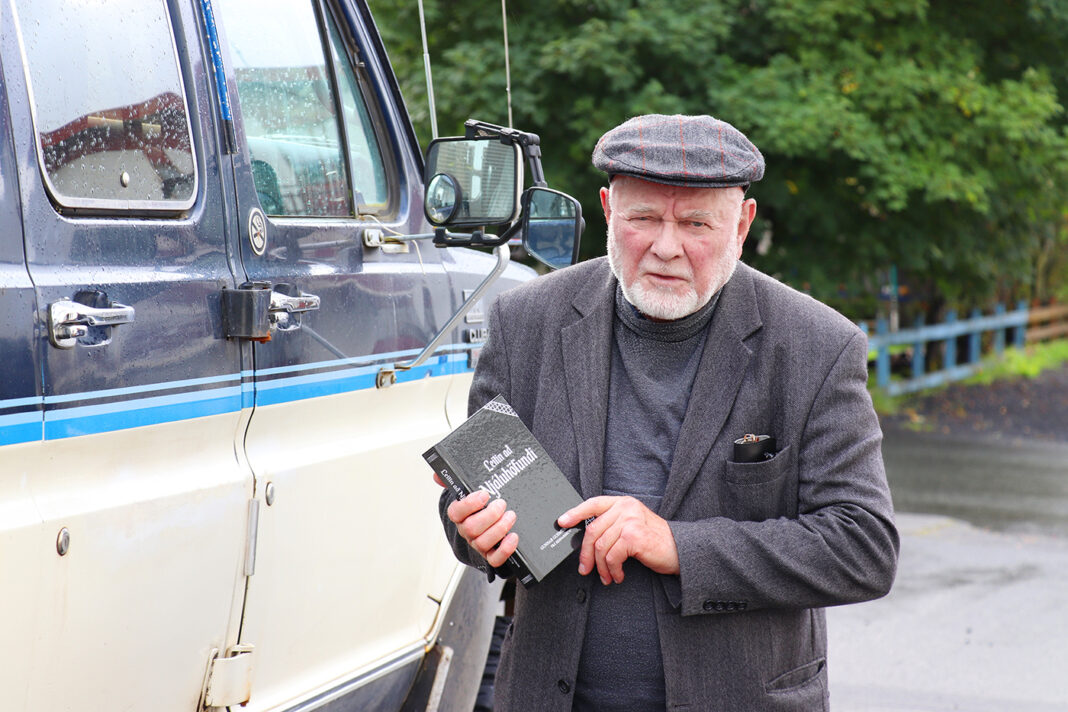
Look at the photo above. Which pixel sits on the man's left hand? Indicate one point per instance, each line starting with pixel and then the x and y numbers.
pixel 623 528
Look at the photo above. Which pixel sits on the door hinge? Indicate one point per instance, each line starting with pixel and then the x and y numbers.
pixel 229 679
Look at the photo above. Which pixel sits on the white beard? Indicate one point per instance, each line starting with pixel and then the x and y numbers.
pixel 668 304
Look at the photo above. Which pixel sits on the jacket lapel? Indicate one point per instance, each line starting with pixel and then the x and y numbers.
pixel 719 376
pixel 587 353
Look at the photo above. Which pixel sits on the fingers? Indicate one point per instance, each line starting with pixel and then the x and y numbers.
pixel 594 538
pixel 461 509
pixel 625 528
pixel 494 534
pixel 619 552
pixel 437 478
pixel 498 556
pixel 487 528
pixel 475 524
pixel 592 507
pixel 609 554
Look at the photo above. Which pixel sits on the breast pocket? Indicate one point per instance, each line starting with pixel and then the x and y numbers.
pixel 755 491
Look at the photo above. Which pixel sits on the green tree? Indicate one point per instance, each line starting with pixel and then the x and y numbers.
pixel 927 135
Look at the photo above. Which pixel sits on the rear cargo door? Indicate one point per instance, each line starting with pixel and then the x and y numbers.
pixel 132 570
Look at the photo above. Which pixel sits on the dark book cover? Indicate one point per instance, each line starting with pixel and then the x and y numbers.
pixel 493 451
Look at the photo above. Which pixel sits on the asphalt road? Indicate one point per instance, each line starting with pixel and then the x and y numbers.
pixel 978 618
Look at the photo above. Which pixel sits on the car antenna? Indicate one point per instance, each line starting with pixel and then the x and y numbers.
pixel 429 78
pixel 507 65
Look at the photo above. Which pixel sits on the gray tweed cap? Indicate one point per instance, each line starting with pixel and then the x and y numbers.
pixel 691 151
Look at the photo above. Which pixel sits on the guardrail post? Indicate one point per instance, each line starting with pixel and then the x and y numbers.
pixel 882 358
pixel 975 341
pixel 999 333
pixel 1020 333
pixel 918 349
pixel 951 342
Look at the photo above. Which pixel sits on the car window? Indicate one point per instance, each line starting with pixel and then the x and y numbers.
pixel 109 104
pixel 365 159
pixel 290 110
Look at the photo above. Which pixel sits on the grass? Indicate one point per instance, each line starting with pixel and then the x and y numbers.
pixel 1021 363
pixel 885 404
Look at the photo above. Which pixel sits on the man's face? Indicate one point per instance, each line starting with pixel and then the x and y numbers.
pixel 672 248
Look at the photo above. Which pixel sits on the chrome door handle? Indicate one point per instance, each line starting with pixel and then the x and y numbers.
pixel 68 321
pixel 285 310
pixel 293 305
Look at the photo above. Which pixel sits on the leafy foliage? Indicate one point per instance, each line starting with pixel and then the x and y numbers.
pixel 923 134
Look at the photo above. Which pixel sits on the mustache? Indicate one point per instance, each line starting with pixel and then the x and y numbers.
pixel 653 265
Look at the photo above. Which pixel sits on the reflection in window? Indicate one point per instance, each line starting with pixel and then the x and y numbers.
pixel 289 110
pixel 109 106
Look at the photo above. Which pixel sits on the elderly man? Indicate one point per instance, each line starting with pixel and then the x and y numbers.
pixel 651 377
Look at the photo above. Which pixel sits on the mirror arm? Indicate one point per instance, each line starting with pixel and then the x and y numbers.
pixel 428 236
pixel 388 375
pixel 447 238
pixel 537 175
pixel 477 238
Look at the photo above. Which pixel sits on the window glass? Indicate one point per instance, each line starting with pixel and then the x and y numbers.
pixel 365 160
pixel 287 105
pixel 109 104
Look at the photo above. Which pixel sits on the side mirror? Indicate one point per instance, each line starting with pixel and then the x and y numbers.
pixel 552 227
pixel 472 182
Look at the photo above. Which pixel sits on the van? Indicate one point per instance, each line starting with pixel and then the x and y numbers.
pixel 229 334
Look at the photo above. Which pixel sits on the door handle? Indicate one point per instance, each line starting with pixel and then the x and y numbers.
pixel 293 305
pixel 69 321
pixel 287 304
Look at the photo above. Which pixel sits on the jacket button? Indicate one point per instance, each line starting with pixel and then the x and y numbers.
pixel 708 605
pixel 581 596
pixel 564 686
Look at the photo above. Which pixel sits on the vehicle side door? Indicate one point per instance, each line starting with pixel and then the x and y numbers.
pixel 351 564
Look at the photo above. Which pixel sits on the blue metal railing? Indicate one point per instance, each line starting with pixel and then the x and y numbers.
pixel 947 332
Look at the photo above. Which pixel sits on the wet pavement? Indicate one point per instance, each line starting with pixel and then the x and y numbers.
pixel 1007 485
pixel 978 618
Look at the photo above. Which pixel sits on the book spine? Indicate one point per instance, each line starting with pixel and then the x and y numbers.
pixel 446 472
pixel 515 566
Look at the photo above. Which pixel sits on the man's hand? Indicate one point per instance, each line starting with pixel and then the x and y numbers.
pixel 623 528
pixel 486 528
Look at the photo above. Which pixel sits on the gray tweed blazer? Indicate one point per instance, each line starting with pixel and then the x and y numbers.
pixel 763 547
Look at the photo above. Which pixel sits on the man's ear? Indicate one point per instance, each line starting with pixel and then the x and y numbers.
pixel 745 221
pixel 605 205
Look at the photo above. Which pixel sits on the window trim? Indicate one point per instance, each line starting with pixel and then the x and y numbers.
pixel 113 206
pixel 328 12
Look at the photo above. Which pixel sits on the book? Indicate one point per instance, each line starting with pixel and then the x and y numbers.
pixel 493 451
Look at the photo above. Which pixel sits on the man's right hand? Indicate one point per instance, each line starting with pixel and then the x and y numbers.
pixel 486 528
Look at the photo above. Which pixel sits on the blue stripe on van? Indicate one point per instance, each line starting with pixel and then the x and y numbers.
pixel 293 388
pixel 91 419
pixel 130 390
pixel 20 427
pixel 292 383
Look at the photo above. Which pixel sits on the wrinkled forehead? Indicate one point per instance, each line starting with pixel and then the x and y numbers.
pixel 631 194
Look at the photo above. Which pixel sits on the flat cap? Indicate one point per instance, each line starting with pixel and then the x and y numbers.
pixel 690 151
